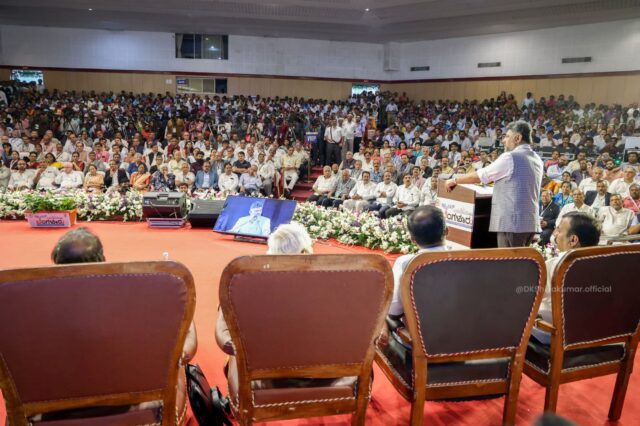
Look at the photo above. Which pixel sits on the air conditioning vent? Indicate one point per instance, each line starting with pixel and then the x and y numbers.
pixel 576 60
pixel 420 68
pixel 489 64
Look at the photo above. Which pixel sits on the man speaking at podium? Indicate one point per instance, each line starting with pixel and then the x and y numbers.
pixel 517 176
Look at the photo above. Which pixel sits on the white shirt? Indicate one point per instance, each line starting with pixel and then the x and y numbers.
pixel 588 184
pixel 20 180
pixel 349 129
pixel 598 203
pixel 619 186
pixel 571 207
pixel 47 178
pixel 389 189
pixel 409 196
pixel 228 182
pixel 267 170
pixel 324 185
pixel 333 134
pixel 399 267
pixel 366 191
pixel 501 168
pixel 614 222
pixel 69 180
pixel 428 196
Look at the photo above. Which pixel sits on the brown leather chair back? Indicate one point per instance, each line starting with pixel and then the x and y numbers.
pixel 92 335
pixel 473 301
pixel 289 315
pixel 598 293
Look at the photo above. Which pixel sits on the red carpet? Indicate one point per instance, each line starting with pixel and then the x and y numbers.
pixel 206 254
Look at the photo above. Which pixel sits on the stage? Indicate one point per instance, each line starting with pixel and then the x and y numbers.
pixel 206 253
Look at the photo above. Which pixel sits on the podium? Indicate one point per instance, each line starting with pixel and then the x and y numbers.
pixel 467 212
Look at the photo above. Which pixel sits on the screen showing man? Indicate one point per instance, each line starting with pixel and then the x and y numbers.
pixel 253 217
pixel 254 223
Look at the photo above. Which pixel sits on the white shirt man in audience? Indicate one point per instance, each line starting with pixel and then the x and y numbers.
pixel 575 230
pixel 555 170
pixel 406 199
pixel 362 194
pixel 290 167
pixel 22 178
pixel 615 219
pixel 68 179
pixel 266 171
pixel 60 155
pixel 348 131
pixel 185 176
pixel 385 191
pixel 323 186
pixel 429 192
pixel 578 205
pixel 228 181
pixel 45 176
pixel 176 162
pixel 428 230
pixel 589 183
pixel 621 185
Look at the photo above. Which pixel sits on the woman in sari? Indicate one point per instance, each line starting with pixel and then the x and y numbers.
pixel 140 179
pixel 93 181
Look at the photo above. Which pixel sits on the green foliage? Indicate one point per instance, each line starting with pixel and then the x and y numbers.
pixel 36 203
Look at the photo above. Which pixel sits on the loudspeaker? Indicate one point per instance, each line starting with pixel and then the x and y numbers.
pixel 164 204
pixel 204 213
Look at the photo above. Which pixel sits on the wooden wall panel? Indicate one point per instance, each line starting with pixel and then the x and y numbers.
pixel 623 89
pixel 599 89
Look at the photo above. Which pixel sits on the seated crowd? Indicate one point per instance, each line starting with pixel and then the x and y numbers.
pixel 381 153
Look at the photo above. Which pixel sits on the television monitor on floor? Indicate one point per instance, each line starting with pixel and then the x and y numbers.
pixel 253 217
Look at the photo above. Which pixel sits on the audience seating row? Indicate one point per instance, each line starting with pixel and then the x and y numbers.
pixel 307 329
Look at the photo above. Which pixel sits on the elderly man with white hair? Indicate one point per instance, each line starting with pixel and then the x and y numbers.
pixel 590 183
pixel 621 185
pixel 68 179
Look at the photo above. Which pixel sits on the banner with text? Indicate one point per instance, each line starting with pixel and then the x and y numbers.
pixel 457 214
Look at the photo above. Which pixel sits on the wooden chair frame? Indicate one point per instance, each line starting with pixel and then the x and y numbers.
pixel 510 386
pixel 18 412
pixel 556 375
pixel 245 411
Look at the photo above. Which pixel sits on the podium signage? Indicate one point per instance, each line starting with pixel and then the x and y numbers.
pixel 64 219
pixel 457 214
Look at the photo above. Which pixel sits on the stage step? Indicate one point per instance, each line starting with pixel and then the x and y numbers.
pixel 300 195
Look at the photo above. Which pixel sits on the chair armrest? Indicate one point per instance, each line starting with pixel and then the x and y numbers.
pixel 404 335
pixel 545 326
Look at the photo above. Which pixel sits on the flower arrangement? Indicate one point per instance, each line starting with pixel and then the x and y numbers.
pixel 363 229
pixel 548 252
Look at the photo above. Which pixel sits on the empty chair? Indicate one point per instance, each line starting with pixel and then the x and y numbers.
pixel 469 316
pixel 595 306
pixel 303 330
pixel 94 344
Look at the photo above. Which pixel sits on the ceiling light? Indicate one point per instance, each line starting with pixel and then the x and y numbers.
pixel 366 10
pixel 90 10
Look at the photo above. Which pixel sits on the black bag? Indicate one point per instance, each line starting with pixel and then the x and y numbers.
pixel 208 405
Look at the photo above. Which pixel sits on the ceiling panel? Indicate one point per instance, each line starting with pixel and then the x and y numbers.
pixel 345 20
